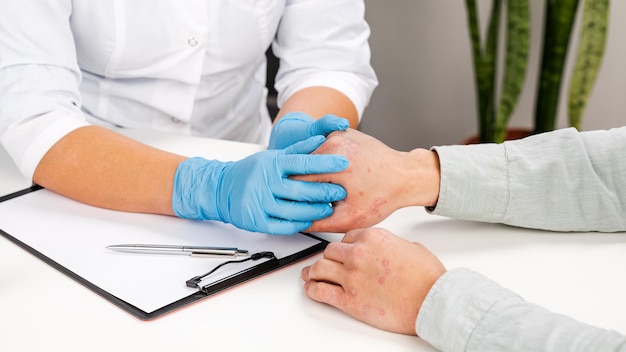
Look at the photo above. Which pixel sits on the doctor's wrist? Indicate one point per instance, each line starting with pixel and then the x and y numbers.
pixel 196 187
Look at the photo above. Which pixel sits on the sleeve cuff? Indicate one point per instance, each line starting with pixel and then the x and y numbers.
pixel 28 141
pixel 474 182
pixel 454 307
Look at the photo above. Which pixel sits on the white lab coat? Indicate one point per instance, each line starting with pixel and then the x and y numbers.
pixel 194 67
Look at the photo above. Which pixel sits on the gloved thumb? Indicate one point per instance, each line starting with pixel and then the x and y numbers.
pixel 327 124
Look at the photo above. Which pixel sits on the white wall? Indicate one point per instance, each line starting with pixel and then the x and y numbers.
pixel 421 53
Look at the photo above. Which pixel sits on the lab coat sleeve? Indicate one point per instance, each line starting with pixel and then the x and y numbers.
pixel 325 43
pixel 465 311
pixel 562 180
pixel 39 79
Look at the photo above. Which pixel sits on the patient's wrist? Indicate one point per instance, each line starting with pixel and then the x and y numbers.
pixel 426 175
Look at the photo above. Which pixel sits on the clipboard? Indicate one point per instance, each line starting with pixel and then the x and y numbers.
pixel 71 237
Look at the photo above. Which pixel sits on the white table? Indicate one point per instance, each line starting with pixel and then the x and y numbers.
pixel 581 275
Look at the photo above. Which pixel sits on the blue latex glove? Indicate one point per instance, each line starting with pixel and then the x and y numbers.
pixel 255 193
pixel 296 126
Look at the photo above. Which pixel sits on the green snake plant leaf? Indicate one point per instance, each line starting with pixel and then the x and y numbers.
pixel 559 19
pixel 515 63
pixel 588 58
pixel 491 62
pixel 484 65
pixel 479 66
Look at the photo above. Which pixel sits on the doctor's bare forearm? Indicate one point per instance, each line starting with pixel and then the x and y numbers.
pixel 320 101
pixel 115 173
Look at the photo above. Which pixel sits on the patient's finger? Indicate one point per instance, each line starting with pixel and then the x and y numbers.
pixel 336 251
pixel 325 293
pixel 324 270
pixel 353 235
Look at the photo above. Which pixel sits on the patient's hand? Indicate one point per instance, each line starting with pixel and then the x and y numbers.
pixel 376 277
pixel 379 180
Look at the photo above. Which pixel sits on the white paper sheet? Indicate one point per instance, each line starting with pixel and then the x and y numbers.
pixel 75 236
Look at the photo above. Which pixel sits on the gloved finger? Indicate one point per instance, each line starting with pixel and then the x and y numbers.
pixel 281 227
pixel 298 211
pixel 315 192
pixel 306 146
pixel 311 164
pixel 289 129
pixel 328 124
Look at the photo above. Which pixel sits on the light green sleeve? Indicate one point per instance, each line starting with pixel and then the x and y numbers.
pixel 562 180
pixel 465 311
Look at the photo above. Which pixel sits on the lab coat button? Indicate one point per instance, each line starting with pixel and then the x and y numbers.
pixel 192 41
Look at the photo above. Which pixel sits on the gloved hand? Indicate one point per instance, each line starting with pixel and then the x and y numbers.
pixel 296 126
pixel 255 193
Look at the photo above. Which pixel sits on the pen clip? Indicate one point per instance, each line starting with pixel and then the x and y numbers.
pixel 220 253
pixel 216 256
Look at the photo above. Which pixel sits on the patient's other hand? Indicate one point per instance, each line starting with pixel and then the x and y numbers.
pixel 376 277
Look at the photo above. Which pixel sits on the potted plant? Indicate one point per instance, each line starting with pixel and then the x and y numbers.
pixel 495 107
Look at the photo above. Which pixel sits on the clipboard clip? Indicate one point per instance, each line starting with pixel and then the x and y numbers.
pixel 196 281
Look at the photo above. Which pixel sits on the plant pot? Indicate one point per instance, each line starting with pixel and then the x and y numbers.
pixel 511 134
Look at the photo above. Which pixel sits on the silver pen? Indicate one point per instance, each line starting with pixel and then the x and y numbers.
pixel 194 251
